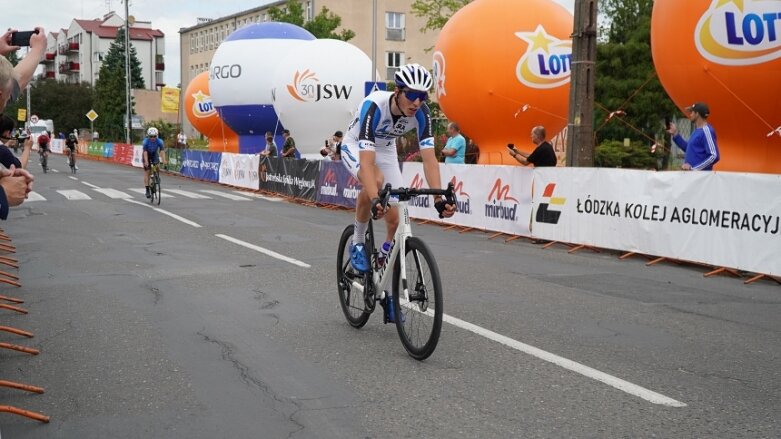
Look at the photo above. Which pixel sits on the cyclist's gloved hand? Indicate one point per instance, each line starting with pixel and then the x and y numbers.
pixel 378 211
pixel 445 210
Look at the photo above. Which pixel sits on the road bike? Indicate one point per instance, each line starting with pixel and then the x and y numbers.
pixel 416 285
pixel 154 184
pixel 71 159
pixel 44 159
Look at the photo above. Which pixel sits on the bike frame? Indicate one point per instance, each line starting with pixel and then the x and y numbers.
pixel 381 277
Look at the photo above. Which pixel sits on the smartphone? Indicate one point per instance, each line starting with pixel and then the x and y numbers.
pixel 22 38
pixel 511 146
pixel 667 122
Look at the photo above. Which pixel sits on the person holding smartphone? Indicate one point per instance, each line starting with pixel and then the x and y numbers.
pixel 543 154
pixel 14 79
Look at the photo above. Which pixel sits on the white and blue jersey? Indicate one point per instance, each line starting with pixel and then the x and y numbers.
pixel 374 128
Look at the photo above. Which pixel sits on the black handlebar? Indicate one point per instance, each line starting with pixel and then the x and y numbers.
pixel 406 194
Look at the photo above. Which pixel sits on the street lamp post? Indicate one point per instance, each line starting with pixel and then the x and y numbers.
pixel 127 72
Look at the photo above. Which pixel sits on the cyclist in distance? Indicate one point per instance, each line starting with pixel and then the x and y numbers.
pixel 70 145
pixel 369 152
pixel 153 149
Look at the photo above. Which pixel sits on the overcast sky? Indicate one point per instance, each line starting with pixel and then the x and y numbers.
pixel 166 15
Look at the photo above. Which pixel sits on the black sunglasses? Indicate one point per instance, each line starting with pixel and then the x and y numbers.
pixel 414 95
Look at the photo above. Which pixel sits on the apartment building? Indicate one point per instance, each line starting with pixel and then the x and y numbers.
pixel 76 54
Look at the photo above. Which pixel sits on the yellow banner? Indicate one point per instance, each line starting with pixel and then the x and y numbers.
pixel 22 115
pixel 170 100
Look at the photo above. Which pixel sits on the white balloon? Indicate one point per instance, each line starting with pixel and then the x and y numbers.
pixel 317 88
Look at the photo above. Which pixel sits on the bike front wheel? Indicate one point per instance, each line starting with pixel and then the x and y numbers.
pixel 158 188
pixel 350 298
pixel 418 310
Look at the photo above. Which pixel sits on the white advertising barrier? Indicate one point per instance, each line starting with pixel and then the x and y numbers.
pixel 57 145
pixel 489 197
pixel 138 156
pixel 724 219
pixel 240 170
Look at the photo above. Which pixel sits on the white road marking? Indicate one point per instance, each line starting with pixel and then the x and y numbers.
pixel 73 178
pixel 113 193
pixel 265 251
pixel 143 192
pixel 582 369
pixel 225 195
pixel 165 212
pixel 189 194
pixel 35 196
pixel 90 185
pixel 258 196
pixel 74 195
pixel 54 170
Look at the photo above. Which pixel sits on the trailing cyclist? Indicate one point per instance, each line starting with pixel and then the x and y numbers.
pixel 153 150
pixel 70 144
pixel 369 153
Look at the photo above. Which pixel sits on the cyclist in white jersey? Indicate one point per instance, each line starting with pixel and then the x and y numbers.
pixel 369 151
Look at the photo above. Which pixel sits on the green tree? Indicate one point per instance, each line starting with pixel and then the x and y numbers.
pixel 65 104
pixel 436 12
pixel 110 88
pixel 626 79
pixel 613 154
pixel 322 25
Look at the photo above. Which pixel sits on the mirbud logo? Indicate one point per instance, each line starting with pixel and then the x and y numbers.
pixel 202 105
pixel 422 201
pixel 306 87
pixel 330 185
pixel 463 201
pixel 740 32
pixel 500 204
pixel 547 62
pixel 439 74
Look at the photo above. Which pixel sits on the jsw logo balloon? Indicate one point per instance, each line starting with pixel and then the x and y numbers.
pixel 307 88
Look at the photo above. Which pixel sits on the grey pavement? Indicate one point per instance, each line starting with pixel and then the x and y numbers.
pixel 152 328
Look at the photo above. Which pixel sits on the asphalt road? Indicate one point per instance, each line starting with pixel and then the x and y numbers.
pixel 151 327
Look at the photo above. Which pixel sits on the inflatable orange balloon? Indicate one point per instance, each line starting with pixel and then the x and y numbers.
pixel 502 67
pixel 202 114
pixel 726 53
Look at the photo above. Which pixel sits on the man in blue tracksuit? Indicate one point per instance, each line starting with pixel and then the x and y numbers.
pixel 701 149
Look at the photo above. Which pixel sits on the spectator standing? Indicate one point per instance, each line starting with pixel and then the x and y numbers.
pixel 333 148
pixel 701 150
pixel 7 158
pixel 543 155
pixel 181 140
pixel 472 152
pixel 95 136
pixel 455 148
pixel 271 146
pixel 289 147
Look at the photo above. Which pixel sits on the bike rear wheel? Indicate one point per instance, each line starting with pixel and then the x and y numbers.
pixel 418 313
pixel 351 299
pixel 72 161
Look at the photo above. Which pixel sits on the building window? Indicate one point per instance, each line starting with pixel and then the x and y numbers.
pixel 394 26
pixel 265 17
pixel 310 14
pixel 394 60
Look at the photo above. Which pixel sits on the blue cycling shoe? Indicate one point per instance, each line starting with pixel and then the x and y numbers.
pixel 358 258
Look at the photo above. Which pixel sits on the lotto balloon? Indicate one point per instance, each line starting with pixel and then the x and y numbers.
pixel 315 96
pixel 726 53
pixel 241 75
pixel 201 113
pixel 502 67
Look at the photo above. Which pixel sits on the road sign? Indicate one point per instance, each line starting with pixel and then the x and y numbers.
pixel 92 115
pixel 22 114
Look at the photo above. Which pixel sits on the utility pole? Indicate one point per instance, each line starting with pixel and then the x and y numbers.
pixel 27 90
pixel 374 41
pixel 127 72
pixel 580 129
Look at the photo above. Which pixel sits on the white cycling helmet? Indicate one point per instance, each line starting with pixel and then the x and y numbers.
pixel 414 77
pixel 151 132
